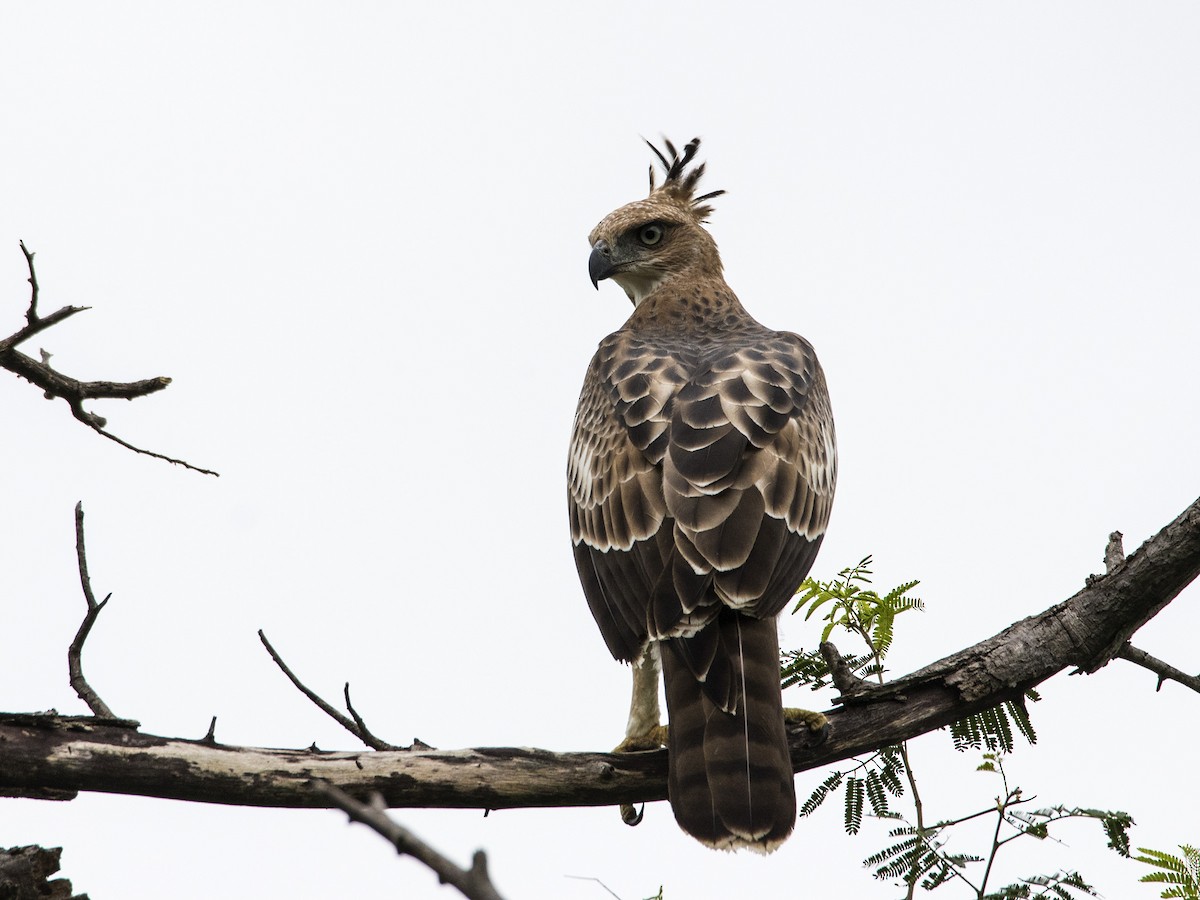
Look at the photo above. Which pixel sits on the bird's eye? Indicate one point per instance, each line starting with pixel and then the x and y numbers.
pixel 650 235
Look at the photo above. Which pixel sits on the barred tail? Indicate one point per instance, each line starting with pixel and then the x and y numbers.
pixel 730 781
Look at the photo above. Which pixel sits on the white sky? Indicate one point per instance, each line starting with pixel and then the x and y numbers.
pixel 355 237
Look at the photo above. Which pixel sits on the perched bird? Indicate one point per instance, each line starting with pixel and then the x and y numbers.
pixel 700 478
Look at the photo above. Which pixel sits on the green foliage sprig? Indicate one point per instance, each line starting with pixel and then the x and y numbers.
pixel 918 854
pixel 1182 873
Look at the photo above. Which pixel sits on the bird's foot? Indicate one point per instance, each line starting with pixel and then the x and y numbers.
pixel 653 739
pixel 814 720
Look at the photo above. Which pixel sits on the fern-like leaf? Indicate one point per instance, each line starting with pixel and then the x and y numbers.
pixel 817 797
pixel 854 804
pixel 1020 715
pixel 1063 885
pixel 992 728
pixel 894 861
pixel 892 767
pixel 1183 874
pixel 876 793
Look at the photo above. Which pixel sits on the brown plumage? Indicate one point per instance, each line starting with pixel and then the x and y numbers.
pixel 701 473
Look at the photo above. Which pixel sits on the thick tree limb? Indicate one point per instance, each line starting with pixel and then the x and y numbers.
pixel 55 384
pixel 473 883
pixel 51 751
pixel 1086 631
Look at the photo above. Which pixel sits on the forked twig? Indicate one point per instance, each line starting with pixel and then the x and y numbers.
pixel 55 384
pixel 75 651
pixel 355 726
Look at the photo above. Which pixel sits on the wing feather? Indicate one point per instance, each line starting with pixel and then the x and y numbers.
pixel 701 477
pixel 751 467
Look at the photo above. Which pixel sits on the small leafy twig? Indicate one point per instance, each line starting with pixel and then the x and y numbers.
pixel 920 856
pixel 75 651
pixel 356 726
pixel 474 883
pixel 55 384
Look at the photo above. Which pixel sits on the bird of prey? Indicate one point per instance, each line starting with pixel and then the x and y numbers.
pixel 700 478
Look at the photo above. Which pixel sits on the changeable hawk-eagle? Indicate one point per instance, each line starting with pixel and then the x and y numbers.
pixel 701 473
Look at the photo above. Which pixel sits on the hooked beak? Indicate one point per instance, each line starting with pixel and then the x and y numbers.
pixel 600 264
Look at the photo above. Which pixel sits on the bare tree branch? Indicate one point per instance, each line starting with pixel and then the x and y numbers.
pixel 31 314
pixel 356 726
pixel 473 883
pixel 1164 671
pixel 51 752
pixel 38 325
pixel 109 756
pixel 75 651
pixel 55 384
pixel 1085 631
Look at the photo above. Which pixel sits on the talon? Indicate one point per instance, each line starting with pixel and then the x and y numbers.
pixel 653 739
pixel 814 720
pixel 631 816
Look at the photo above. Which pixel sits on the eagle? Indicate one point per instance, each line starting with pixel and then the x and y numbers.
pixel 701 473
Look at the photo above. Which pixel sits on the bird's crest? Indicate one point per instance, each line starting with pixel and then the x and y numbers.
pixel 680 185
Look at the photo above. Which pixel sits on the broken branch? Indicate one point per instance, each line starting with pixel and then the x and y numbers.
pixel 473 883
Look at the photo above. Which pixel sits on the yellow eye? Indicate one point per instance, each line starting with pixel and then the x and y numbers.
pixel 650 235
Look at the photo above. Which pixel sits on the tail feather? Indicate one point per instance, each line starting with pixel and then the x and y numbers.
pixel 730 781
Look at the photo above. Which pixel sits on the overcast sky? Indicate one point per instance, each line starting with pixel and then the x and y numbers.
pixel 354 236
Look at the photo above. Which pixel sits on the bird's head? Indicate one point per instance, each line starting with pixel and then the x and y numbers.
pixel 648 242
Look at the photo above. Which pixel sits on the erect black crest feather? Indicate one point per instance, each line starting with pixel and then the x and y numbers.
pixel 679 181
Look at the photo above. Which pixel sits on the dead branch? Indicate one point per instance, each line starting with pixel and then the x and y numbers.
pixel 1164 671
pixel 355 726
pixel 25 873
pixel 474 883
pixel 1114 553
pixel 31 314
pixel 75 651
pixel 1085 631
pixel 55 384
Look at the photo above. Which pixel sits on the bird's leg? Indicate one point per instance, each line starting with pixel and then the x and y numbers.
pixel 643 731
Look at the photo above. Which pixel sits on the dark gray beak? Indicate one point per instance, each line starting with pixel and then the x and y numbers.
pixel 600 264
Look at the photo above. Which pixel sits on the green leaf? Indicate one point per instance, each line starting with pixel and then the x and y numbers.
pixel 817 797
pixel 854 804
pixel 876 794
pixel 891 770
pixel 992 728
pixel 1183 874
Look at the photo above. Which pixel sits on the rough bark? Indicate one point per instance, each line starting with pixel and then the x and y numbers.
pixel 50 752
pixel 25 875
